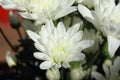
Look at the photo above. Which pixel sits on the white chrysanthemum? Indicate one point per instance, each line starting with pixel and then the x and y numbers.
pixel 59 47
pixel 40 10
pixel 91 34
pixel 111 72
pixel 105 18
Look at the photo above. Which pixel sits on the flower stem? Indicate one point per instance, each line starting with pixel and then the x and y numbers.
pixel 6 39
pixel 19 34
pixel 62 76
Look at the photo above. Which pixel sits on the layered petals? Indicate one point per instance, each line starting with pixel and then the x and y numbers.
pixel 40 10
pixel 105 17
pixel 59 46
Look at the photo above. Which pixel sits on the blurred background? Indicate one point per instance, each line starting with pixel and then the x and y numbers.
pixel 10 33
pixel 12 39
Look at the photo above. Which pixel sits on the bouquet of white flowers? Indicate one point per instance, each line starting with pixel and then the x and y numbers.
pixel 67 39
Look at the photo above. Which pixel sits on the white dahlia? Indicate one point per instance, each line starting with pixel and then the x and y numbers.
pixel 59 46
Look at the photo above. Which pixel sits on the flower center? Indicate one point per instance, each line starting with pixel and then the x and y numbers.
pixel 59 54
pixel 60 50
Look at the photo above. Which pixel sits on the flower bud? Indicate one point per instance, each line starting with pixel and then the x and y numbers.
pixel 10 59
pixel 108 62
pixel 14 20
pixel 77 73
pixel 53 74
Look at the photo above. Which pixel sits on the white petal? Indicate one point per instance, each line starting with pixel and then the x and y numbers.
pixel 85 44
pixel 34 16
pixel 116 65
pixel 67 3
pixel 7 4
pixel 41 56
pixel 49 26
pixel 33 36
pixel 46 65
pixel 98 76
pixel 106 70
pixel 39 21
pixel 79 1
pixel 71 31
pixel 113 45
pixel 77 57
pixel 78 36
pixel 61 28
pixel 28 15
pixel 65 12
pixel 85 12
pixel 40 47
pixel 66 65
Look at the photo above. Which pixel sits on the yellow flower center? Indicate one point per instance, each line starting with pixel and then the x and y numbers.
pixel 60 49
pixel 59 54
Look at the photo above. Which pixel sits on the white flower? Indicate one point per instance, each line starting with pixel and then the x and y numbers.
pixel 59 46
pixel 10 59
pixel 105 18
pixel 91 34
pixel 111 72
pixel 53 74
pixel 41 10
